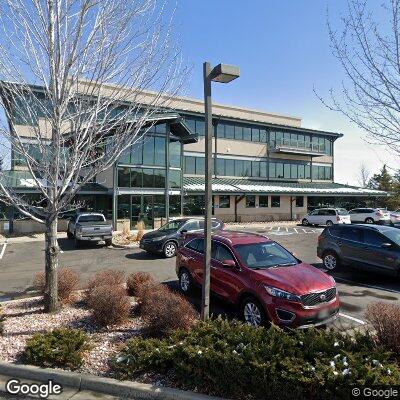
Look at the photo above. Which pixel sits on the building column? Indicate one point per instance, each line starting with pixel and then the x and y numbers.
pixel 167 139
pixel 115 197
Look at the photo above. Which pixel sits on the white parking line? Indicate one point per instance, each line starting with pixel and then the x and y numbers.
pixel 352 318
pixel 295 229
pixel 3 250
pixel 304 230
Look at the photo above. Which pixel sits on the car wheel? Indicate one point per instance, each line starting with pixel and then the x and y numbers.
pixel 108 242
pixel 369 221
pixel 252 312
pixel 185 281
pixel 331 261
pixel 305 222
pixel 70 235
pixel 329 223
pixel 170 249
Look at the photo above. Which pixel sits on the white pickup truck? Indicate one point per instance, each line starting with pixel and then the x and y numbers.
pixel 91 227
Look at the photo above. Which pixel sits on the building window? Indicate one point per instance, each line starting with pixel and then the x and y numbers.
pixel 175 154
pixel 174 179
pixel 224 201
pixel 250 201
pixel 263 201
pixel 193 205
pixel 220 130
pixel 299 201
pixel 220 167
pixel 190 165
pixel 124 177
pixel 229 167
pixel 275 201
pixel 229 131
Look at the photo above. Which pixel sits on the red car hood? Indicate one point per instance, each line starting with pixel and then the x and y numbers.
pixel 298 279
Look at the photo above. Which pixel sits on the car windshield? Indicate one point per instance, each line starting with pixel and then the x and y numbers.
pixel 342 211
pixel 173 225
pixel 265 255
pixel 393 235
pixel 91 218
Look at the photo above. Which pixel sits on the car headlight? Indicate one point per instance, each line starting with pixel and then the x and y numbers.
pixel 281 294
pixel 157 239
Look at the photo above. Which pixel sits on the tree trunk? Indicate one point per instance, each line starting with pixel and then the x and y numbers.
pixel 51 266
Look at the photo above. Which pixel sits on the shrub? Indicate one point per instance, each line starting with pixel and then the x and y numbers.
pixel 385 318
pixel 62 348
pixel 233 360
pixel 67 281
pixel 164 311
pixel 136 281
pixel 105 278
pixel 110 305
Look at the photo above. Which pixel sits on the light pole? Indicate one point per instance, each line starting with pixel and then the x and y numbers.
pixel 221 73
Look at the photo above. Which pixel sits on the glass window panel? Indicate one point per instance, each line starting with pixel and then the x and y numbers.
pixel 175 148
pixel 279 170
pixel 239 167
pixel 174 179
pixel 161 128
pixel 321 172
pixel 286 170
pixel 190 165
pixel 193 205
pixel 272 170
pixel 315 172
pixel 275 201
pixel 124 204
pixel 307 172
pixel 159 178
pixel 301 171
pixel 255 134
pixel 263 169
pixel 159 205
pixel 247 134
pixel 263 201
pixel 200 127
pixel 250 201
pixel 148 178
pixel 224 201
pixel 136 177
pixel 247 168
pixel 159 148
pixel 148 151
pixel 220 167
pixel 293 171
pixel 220 130
pixel 125 157
pixel 263 136
pixel 255 168
pixel 238 132
pixel 299 201
pixel 174 205
pixel 230 167
pixel 191 123
pixel 286 135
pixel 278 136
pixel 272 136
pixel 136 153
pixel 229 131
pixel 200 166
pixel 124 177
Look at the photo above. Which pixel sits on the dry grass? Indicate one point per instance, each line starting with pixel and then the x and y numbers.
pixel 109 305
pixel 164 311
pixel 385 318
pixel 140 231
pixel 67 281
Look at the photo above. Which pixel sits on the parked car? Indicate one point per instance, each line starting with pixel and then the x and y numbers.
pixel 368 247
pixel 395 217
pixel 327 216
pixel 261 278
pixel 169 237
pixel 370 215
pixel 89 227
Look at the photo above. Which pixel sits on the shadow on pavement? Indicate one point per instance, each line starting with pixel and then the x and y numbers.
pixel 69 244
pixel 143 255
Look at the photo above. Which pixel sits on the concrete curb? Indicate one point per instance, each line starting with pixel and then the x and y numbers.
pixel 80 382
pixel 125 246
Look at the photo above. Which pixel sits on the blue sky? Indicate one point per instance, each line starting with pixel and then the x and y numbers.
pixel 283 50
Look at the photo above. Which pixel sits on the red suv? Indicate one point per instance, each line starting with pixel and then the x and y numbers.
pixel 264 280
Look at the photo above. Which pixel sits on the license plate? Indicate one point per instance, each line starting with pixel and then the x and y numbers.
pixel 323 314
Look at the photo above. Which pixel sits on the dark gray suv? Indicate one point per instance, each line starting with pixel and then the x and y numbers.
pixel 372 247
pixel 169 237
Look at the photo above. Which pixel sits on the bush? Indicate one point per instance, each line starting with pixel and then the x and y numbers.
pixel 136 281
pixel 233 360
pixel 63 348
pixel 110 305
pixel 105 278
pixel 385 318
pixel 67 281
pixel 164 311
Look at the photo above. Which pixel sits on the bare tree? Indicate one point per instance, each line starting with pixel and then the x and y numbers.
pixel 363 175
pixel 368 48
pixel 75 75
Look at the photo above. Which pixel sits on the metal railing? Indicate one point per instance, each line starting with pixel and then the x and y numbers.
pixel 299 145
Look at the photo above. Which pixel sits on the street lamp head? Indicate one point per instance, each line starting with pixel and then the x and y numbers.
pixel 224 73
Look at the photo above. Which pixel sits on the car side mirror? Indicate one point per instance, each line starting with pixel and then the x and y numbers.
pixel 183 231
pixel 386 245
pixel 229 263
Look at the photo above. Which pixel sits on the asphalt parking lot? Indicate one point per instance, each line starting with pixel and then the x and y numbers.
pixel 20 261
